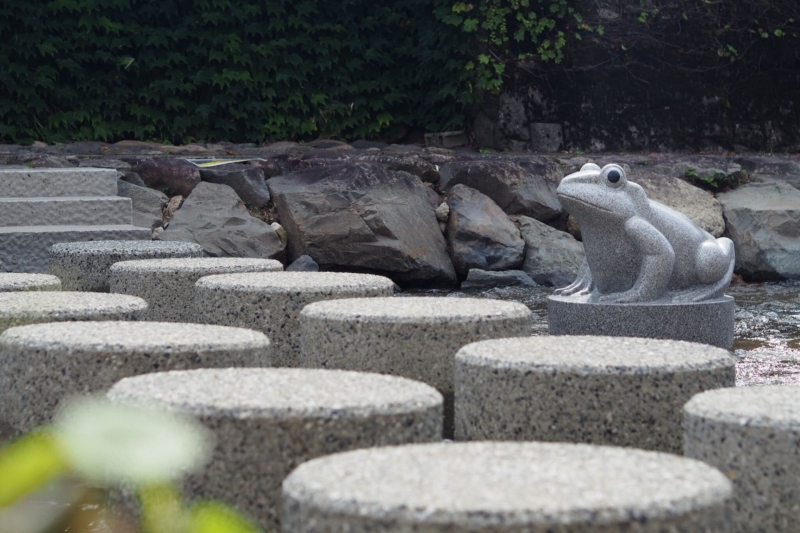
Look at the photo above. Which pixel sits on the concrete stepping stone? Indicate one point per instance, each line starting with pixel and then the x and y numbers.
pixel 752 434
pixel 45 363
pixel 168 284
pixel 596 390
pixel 413 337
pixel 268 421
pixel 13 282
pixel 271 302
pixel 84 266
pixel 33 307
pixel 505 487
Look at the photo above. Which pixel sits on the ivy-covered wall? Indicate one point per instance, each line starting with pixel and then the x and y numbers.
pixel 238 70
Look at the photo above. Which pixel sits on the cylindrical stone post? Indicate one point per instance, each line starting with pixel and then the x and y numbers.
pixel 752 434
pixel 412 337
pixel 83 266
pixel 168 284
pixel 42 364
pixel 268 421
pixel 33 307
pixel 13 282
pixel 499 487
pixel 596 390
pixel 271 302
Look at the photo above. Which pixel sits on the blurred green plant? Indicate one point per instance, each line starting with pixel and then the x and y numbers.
pixel 93 446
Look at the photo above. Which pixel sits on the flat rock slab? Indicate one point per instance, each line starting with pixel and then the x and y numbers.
pixel 271 302
pixel 83 181
pixel 753 435
pixel 13 282
pixel 20 308
pixel 708 322
pixel 84 266
pixel 267 421
pixel 413 337
pixel 45 363
pixel 168 284
pixel 502 486
pixel 594 390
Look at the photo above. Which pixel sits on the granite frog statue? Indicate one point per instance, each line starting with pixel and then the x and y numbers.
pixel 638 250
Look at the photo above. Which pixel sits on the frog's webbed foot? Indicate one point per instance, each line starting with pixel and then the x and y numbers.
pixel 583 284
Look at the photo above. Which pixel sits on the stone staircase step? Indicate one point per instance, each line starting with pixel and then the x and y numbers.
pixel 38 182
pixel 27 248
pixel 34 211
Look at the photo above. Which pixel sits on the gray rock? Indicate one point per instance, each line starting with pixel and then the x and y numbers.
pixel 545 137
pixel 358 215
pixel 506 487
pixel 364 144
pixel 133 178
pixel 247 181
pixel 480 234
pixel 148 204
pixel 214 217
pixel 525 187
pixel 304 263
pixel 174 176
pixel 700 206
pixel 433 197
pixel 763 221
pixel 486 279
pixel 552 257
pixel 751 433
pixel 412 163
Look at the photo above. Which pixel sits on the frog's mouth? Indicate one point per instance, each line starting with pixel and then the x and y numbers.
pixel 584 203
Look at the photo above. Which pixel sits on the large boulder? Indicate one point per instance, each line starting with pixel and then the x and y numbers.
pixel 700 206
pixel 247 181
pixel 172 176
pixel 148 204
pixel 764 223
pixel 480 234
pixel 411 163
pixel 214 217
pixel 360 216
pixel 552 257
pixel 523 187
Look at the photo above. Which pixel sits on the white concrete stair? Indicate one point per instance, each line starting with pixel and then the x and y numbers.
pixel 40 207
pixel 84 211
pixel 49 182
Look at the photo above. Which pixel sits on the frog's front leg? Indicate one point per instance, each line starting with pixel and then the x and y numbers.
pixel 583 284
pixel 658 260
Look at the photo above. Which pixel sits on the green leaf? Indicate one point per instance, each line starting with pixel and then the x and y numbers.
pixel 162 510
pixel 27 464
pixel 215 517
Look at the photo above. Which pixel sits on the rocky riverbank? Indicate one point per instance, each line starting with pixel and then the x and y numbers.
pixel 427 216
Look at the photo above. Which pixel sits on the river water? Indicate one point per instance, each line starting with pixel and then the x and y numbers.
pixel 767 329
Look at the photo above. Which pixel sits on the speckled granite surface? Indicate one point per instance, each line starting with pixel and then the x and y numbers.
pixel 12 282
pixel 83 266
pixel 31 307
pixel 44 363
pixel 753 435
pixel 514 487
pixel 168 284
pixel 413 337
pixel 708 322
pixel 271 302
pixel 268 421
pixel 597 390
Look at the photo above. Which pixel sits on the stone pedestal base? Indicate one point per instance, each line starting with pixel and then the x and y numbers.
pixel 709 322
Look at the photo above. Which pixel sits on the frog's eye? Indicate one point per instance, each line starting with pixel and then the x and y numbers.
pixel 615 176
